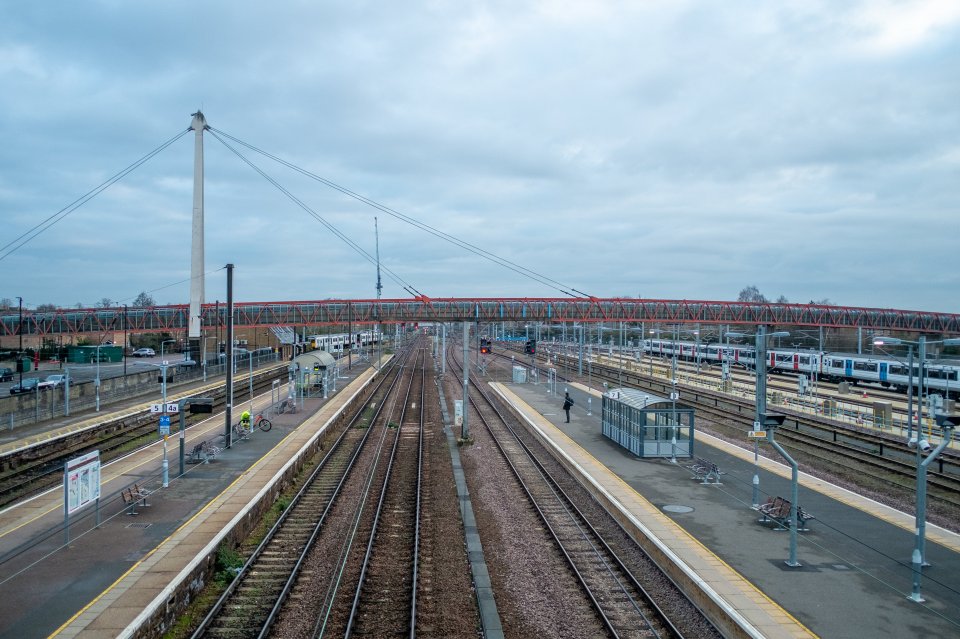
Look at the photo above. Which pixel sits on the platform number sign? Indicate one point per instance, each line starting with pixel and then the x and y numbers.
pixel 164 425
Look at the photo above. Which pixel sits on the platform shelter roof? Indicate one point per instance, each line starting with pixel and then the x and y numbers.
pixel 312 360
pixel 634 397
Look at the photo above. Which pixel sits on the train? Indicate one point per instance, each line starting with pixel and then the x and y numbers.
pixel 334 343
pixel 942 376
pixel 485 346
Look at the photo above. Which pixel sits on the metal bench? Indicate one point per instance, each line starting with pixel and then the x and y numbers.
pixel 777 510
pixel 203 453
pixel 133 496
pixel 706 471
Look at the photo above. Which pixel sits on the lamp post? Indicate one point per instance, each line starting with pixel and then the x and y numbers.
pixel 97 383
pixel 770 424
pixel 760 368
pixel 166 341
pixel 918 559
pixel 124 343
pixel 20 352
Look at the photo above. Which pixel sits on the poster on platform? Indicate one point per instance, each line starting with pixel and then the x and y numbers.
pixel 81 481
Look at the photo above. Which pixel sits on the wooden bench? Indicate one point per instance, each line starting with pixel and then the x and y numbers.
pixel 706 471
pixel 203 452
pixel 133 496
pixel 777 510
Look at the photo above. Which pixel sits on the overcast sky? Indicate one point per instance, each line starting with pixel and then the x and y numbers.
pixel 679 150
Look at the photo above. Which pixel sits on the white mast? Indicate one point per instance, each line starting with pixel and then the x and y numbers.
pixel 198 125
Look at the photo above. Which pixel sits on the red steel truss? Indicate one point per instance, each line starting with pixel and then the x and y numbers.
pixel 424 309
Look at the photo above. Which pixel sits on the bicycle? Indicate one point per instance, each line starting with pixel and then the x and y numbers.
pixel 244 432
pixel 262 423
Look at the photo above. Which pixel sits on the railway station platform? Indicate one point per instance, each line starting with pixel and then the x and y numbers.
pixel 106 581
pixel 855 572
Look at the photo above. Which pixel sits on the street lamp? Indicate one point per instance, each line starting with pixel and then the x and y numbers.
pixel 760 368
pixel 124 343
pixel 166 341
pixel 916 441
pixel 20 352
pixel 97 383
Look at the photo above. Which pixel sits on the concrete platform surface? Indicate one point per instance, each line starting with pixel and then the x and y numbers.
pixel 45 582
pixel 855 576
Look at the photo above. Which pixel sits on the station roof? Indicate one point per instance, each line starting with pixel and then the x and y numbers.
pixel 634 397
pixel 313 358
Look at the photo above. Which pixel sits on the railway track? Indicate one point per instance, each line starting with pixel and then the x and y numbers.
pixel 40 467
pixel 385 599
pixel 881 459
pixel 624 606
pixel 252 602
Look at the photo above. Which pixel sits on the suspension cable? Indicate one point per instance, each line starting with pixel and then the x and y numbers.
pixel 349 242
pixel 13 245
pixel 538 277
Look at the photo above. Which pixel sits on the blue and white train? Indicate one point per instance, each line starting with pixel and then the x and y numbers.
pixel 941 376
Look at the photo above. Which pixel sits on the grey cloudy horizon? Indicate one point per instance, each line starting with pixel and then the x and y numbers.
pixel 665 150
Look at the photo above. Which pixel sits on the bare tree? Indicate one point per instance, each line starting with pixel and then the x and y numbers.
pixel 783 300
pixel 6 304
pixel 105 302
pixel 143 300
pixel 46 308
pixel 752 294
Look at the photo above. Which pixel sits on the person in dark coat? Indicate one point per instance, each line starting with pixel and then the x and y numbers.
pixel 567 403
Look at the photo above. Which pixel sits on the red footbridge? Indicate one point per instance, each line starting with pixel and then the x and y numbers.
pixel 425 310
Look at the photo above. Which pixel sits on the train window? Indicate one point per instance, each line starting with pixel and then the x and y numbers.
pixel 804 359
pixel 784 358
pixel 865 366
pixel 896 369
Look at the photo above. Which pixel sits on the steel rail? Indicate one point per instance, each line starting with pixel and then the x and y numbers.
pixel 579 520
pixel 416 536
pixel 367 558
pixel 264 625
pixel 903 467
pixel 342 561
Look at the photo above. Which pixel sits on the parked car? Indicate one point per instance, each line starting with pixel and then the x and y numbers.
pixel 28 385
pixel 6 374
pixel 53 381
pixel 144 352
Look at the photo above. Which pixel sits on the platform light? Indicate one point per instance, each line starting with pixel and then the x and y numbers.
pixel 921 445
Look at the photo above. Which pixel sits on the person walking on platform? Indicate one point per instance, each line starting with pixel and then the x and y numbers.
pixel 567 403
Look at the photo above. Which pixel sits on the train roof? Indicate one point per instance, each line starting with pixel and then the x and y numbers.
pixel 888 357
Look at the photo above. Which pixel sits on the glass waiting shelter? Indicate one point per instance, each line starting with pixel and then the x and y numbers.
pixel 646 424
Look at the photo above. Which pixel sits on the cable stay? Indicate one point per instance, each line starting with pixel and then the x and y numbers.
pixel 409 288
pixel 15 244
pixel 521 270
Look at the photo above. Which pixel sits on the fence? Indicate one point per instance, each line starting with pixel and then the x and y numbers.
pixel 21 410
